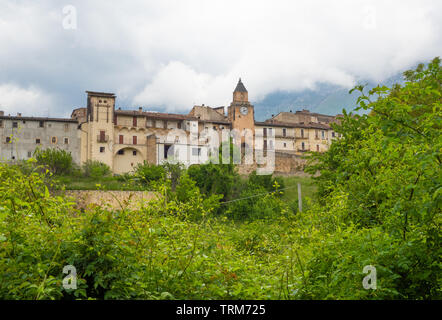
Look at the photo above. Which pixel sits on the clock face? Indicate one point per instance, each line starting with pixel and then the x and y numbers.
pixel 244 110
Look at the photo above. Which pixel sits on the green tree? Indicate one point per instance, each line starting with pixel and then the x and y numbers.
pixel 56 160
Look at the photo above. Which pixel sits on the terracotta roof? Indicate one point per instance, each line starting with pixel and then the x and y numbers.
pixel 293 125
pixel 156 115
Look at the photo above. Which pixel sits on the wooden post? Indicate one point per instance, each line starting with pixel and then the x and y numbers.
pixel 299 197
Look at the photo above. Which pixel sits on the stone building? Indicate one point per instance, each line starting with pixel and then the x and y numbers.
pixel 20 136
pixel 124 138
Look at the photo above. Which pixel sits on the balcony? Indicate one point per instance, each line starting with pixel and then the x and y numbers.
pixel 102 139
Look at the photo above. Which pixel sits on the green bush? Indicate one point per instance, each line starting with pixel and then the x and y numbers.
pixel 57 161
pixel 266 181
pixel 95 169
pixel 147 173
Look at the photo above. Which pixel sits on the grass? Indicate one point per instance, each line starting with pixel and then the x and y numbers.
pixel 101 183
pixel 307 188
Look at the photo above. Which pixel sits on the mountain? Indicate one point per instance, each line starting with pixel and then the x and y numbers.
pixel 326 98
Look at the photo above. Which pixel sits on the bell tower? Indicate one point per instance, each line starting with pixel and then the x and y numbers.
pixel 241 111
pixel 241 115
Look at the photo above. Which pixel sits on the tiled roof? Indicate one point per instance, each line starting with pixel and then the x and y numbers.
pixel 274 123
pixel 38 119
pixel 156 115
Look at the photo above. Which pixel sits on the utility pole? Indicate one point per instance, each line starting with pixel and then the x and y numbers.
pixel 299 197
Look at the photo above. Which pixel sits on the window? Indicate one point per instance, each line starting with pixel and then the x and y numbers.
pixel 271 144
pixel 54 140
pixel 101 149
pixel 179 125
pixel 264 132
pixel 333 134
pixel 214 127
pixel 134 152
pixel 165 124
pixel 102 136
pixel 316 134
pixel 134 121
pixel 166 150
pixel 196 151
pixel 323 134
pixel 270 131
pixel 317 147
pixel 41 124
pixel 66 126
pixel 8 139
pixel 121 151
pixel 29 154
pixel 303 146
pixel 1 123
pixel 285 144
pixel 120 139
pixel 302 133
pixel 134 140
pixel 284 132
pixel 66 140
pixel 15 124
pixel 37 141
pixel 265 144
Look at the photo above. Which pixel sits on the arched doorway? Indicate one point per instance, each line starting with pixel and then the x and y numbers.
pixel 126 159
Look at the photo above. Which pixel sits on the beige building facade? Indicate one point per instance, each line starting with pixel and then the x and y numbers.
pixel 122 139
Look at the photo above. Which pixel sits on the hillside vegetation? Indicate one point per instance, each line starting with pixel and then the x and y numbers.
pixel 213 235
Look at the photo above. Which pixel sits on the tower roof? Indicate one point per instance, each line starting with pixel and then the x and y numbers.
pixel 240 87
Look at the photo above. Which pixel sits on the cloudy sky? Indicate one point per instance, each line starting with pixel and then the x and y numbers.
pixel 170 55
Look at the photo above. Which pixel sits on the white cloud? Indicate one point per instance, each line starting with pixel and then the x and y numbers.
pixel 27 101
pixel 175 53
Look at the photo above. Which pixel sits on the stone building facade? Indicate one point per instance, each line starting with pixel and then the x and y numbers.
pixel 124 138
pixel 20 136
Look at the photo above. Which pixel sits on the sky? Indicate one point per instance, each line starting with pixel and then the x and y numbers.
pixel 170 55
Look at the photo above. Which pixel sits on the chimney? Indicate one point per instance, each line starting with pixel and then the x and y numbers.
pixel 18 114
pixel 140 109
pixel 2 113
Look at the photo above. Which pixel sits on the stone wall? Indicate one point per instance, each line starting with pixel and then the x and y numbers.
pixel 111 199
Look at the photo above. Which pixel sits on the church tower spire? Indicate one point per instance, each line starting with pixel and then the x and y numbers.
pixel 240 94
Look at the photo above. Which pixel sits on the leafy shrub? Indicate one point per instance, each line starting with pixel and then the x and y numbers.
pixel 58 161
pixel 146 173
pixel 383 179
pixel 266 181
pixel 215 179
pixel 95 169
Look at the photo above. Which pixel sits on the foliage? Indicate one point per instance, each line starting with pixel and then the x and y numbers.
pixel 266 181
pixel 384 178
pixel 215 179
pixel 147 173
pixel 58 161
pixel 379 193
pixel 95 169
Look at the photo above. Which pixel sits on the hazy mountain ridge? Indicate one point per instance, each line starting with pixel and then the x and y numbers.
pixel 326 98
